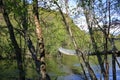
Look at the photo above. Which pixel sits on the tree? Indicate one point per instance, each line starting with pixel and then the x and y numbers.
pixel 100 18
pixel 21 18
pixel 14 41
pixel 41 50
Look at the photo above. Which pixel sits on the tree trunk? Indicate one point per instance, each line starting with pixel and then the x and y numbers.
pixel 95 46
pixel 113 58
pixel 14 42
pixel 78 51
pixel 41 50
pixel 88 17
pixel 113 66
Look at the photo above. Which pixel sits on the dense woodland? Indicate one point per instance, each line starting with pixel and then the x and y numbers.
pixel 31 31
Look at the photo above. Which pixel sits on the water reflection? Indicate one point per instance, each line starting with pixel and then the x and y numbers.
pixel 72 69
pixel 70 77
pixel 110 70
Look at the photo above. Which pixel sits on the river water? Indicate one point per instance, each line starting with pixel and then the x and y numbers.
pixel 65 68
pixel 70 75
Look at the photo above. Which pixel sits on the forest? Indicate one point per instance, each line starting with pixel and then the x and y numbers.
pixel 59 39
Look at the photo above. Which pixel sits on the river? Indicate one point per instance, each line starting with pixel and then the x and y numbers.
pixel 65 68
pixel 72 71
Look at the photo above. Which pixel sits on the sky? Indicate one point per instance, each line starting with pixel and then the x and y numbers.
pixel 80 20
pixel 77 15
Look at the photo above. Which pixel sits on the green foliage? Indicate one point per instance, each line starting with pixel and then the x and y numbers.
pixel 54 30
pixel 99 36
pixel 117 42
pixel 6 47
pixel 53 66
pixel 55 33
pixel 8 70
